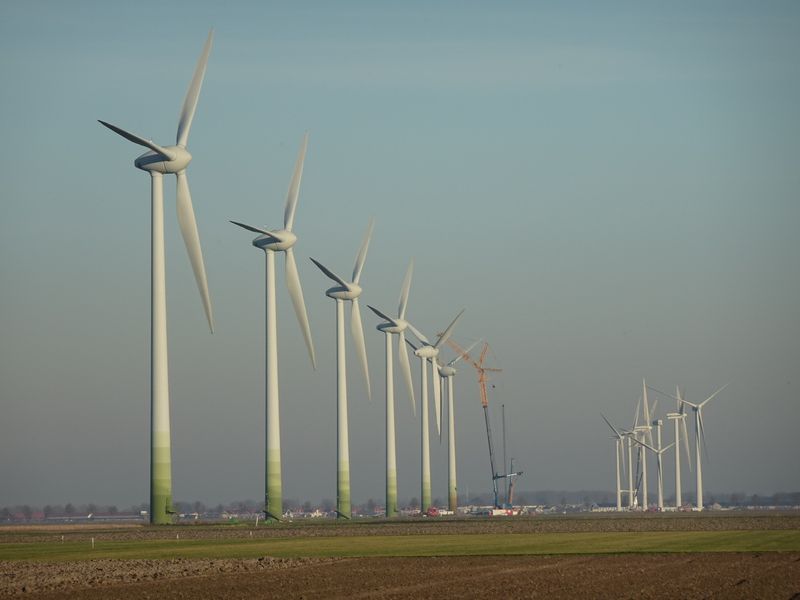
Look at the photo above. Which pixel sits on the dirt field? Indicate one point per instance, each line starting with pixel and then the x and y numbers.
pixel 725 575
pixel 677 575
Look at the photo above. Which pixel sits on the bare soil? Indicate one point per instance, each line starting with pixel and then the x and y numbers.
pixel 688 576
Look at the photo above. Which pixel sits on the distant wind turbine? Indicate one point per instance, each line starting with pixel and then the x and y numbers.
pixel 427 352
pixel 447 372
pixel 157 161
pixel 280 240
pixel 395 326
pixel 619 439
pixel 347 291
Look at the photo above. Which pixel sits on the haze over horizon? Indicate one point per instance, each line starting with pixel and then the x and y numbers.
pixel 610 191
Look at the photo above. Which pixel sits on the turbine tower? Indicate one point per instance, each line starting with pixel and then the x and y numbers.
pixel 347 291
pixel 281 240
pixel 618 453
pixel 447 372
pixel 427 352
pixel 679 418
pixel 395 326
pixel 698 433
pixel 157 161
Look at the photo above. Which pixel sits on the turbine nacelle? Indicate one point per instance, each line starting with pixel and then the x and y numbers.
pixel 426 351
pixel 397 325
pixel 174 160
pixel 349 292
pixel 277 241
pixel 447 371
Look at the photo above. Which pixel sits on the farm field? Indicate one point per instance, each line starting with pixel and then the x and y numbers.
pixel 730 556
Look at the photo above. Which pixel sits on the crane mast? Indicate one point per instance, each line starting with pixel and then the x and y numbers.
pixel 482 379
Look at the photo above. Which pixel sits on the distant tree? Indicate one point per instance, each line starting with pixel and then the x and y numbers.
pixel 307 506
pixel 26 511
pixel 5 514
pixel 327 505
pixel 755 500
pixel 414 502
pixel 370 506
pixel 112 509
pixel 91 508
pixel 69 509
pixel 437 501
pixel 199 507
pixel 48 511
pixel 219 509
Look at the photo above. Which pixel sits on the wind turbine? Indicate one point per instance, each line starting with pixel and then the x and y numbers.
pixel 157 161
pixel 389 327
pixel 699 433
pixel 658 451
pixel 619 441
pixel 428 352
pixel 447 372
pixel 281 240
pixel 347 291
pixel 679 418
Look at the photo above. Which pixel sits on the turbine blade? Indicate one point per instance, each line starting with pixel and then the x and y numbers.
pixel 650 387
pixel 406 287
pixel 712 395
pixel 418 334
pixel 645 445
pixel 296 294
pixel 437 396
pixel 448 332
pixel 191 239
pixel 459 356
pixel 357 330
pixel 646 411
pixel 331 274
pixel 636 418
pixel 703 434
pixel 193 93
pixel 614 429
pixel 362 253
pixel 382 315
pixel 410 343
pixel 686 443
pixel 294 187
pixel 665 448
pixel 256 229
pixel 132 137
pixel 405 367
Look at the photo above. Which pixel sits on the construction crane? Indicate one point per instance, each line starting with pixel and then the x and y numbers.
pixel 482 379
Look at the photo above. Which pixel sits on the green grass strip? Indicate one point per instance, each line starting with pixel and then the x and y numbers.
pixel 413 545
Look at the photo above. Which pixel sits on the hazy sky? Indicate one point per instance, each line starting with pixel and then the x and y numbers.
pixel 610 190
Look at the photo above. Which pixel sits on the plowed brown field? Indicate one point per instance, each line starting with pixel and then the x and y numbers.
pixel 685 576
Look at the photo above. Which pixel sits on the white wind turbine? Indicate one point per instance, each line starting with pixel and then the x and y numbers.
pixel 658 451
pixel 428 352
pixel 347 291
pixel 619 441
pixel 395 326
pixel 281 240
pixel 679 418
pixel 158 161
pixel 447 373
pixel 699 433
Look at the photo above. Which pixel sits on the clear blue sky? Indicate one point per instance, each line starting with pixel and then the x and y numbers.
pixel 611 190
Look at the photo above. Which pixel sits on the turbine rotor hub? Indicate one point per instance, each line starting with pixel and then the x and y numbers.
pixel 154 161
pixel 351 292
pixel 282 240
pixel 426 352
